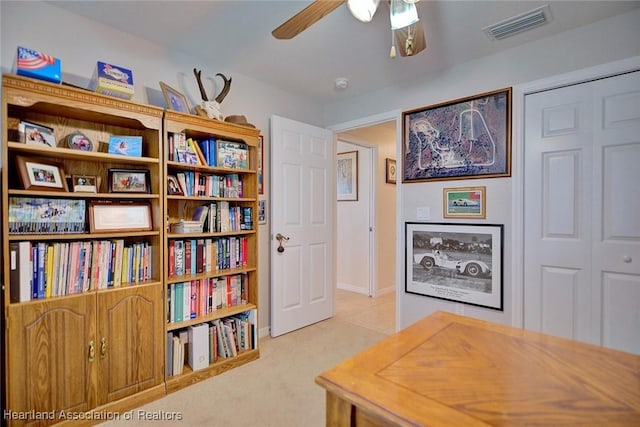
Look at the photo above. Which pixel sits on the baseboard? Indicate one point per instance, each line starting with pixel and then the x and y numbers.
pixel 353 288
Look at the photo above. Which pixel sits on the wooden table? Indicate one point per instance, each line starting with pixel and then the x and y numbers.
pixel 449 370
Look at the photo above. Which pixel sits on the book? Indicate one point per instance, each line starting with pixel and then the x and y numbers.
pixel 198 346
pixel 20 271
pixel 169 354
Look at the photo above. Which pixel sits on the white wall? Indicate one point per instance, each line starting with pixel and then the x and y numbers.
pixel 602 42
pixel 353 271
pixel 80 43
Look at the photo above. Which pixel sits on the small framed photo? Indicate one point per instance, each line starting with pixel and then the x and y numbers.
pixel 464 202
pixel 125 145
pixel 41 175
pixel 391 171
pixel 84 183
pixel 129 181
pixel 347 176
pixel 79 141
pixel 174 99
pixel 32 133
pixel 119 216
pixel 262 211
pixel 173 186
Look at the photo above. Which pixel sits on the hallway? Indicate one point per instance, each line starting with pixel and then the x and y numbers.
pixel 377 314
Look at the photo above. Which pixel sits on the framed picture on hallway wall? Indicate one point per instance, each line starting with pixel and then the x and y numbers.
pixel 455 262
pixel 347 170
pixel 460 139
pixel 390 174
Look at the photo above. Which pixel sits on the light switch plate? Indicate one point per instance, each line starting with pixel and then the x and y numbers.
pixel 423 212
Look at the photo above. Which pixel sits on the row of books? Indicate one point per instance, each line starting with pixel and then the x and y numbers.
pixel 197 298
pixel 194 183
pixel 193 256
pixel 28 215
pixel 206 343
pixel 213 152
pixel 44 270
pixel 222 218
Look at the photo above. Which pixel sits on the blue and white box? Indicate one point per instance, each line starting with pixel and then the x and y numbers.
pixel 32 63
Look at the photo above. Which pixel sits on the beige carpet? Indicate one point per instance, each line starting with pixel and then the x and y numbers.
pixel 278 389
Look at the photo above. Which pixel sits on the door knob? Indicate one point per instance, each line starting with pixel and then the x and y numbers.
pixel 280 238
pixel 627 259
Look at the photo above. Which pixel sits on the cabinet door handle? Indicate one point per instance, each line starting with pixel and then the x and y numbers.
pixel 103 348
pixel 92 351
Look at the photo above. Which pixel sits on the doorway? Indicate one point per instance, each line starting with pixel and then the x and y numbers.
pixel 378 143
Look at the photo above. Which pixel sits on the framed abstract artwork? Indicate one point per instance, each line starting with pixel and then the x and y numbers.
pixel 461 139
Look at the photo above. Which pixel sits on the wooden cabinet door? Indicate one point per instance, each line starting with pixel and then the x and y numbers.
pixel 50 367
pixel 130 344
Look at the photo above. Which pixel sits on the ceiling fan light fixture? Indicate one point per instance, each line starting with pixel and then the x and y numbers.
pixel 363 10
pixel 402 14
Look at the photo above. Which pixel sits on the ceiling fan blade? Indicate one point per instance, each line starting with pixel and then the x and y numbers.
pixel 305 18
pixel 418 41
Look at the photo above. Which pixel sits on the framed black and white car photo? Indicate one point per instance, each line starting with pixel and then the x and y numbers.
pixel 455 262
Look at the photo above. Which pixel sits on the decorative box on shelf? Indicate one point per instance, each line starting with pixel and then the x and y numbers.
pixel 38 65
pixel 113 81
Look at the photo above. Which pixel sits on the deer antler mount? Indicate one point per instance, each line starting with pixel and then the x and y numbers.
pixel 212 108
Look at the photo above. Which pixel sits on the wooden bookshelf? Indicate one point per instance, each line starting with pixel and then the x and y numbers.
pixel 209 274
pixel 91 347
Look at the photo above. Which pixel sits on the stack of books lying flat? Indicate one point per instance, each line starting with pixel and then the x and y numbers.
pixel 184 226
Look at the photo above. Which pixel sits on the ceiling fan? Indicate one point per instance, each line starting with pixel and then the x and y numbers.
pixel 405 24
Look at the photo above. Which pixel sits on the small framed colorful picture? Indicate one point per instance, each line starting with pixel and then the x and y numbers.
pixel 32 133
pixel 125 145
pixel 464 202
pixel 84 183
pixel 129 181
pixel 41 175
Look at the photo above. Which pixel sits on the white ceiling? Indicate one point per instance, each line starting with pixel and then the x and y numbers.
pixel 235 36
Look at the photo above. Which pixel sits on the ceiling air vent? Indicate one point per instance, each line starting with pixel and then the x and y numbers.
pixel 519 23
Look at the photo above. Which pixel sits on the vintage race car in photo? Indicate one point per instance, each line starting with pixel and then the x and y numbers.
pixel 464 202
pixel 473 268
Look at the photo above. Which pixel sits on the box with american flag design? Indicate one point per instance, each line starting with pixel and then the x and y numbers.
pixel 32 63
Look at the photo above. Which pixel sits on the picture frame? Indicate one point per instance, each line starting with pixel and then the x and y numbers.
pixel 36 134
pixel 79 141
pixel 455 262
pixel 391 171
pixel 347 171
pixel 129 181
pixel 125 145
pixel 465 138
pixel 36 174
pixel 175 100
pixel 261 164
pixel 119 216
pixel 262 211
pixel 84 183
pixel 464 202
pixel 173 186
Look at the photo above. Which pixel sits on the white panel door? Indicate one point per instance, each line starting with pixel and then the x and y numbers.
pixel 303 192
pixel 582 215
